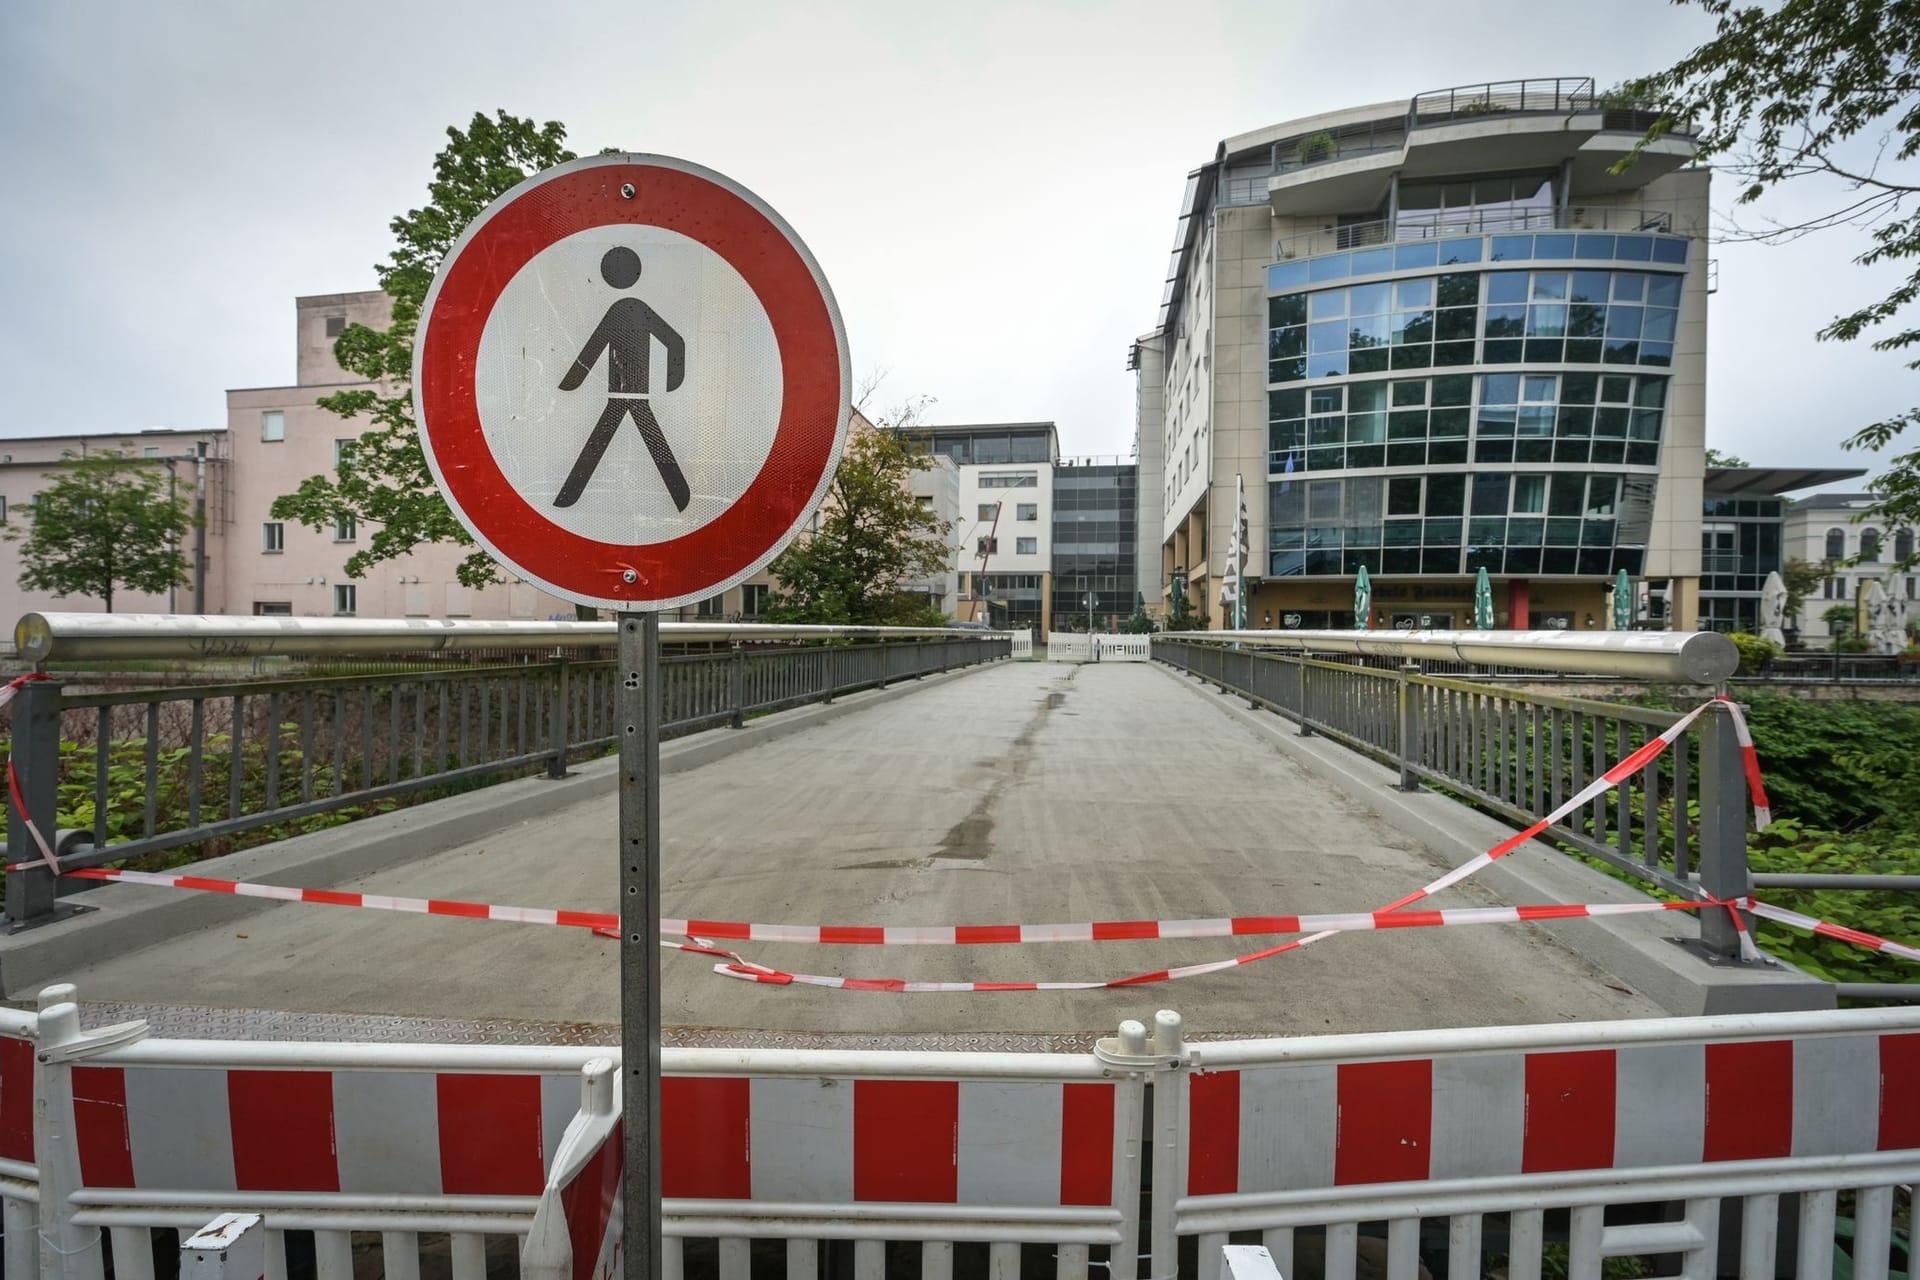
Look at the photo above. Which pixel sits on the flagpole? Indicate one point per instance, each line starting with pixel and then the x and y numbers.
pixel 1240 515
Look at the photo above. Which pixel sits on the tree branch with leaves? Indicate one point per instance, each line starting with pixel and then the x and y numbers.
pixel 1821 91
pixel 108 520
pixel 384 480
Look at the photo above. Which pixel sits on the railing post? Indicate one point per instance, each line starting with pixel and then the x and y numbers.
pixel 562 713
pixel 737 670
pixel 36 764
pixel 1306 721
pixel 1723 830
pixel 1409 752
pixel 67 1251
pixel 828 661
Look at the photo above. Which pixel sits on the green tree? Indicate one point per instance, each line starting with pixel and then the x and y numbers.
pixel 1801 577
pixel 1821 94
pixel 384 480
pixel 1840 619
pixel 1139 624
pixel 873 538
pixel 1715 458
pixel 106 521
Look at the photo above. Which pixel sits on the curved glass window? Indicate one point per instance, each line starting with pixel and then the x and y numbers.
pixel 1533 317
pixel 1412 255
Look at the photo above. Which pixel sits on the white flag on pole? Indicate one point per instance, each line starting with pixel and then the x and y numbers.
pixel 1236 551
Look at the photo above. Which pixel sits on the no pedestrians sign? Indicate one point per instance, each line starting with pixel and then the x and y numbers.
pixel 631 382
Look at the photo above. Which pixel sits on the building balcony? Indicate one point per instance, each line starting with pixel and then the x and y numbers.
pixel 1450 223
pixel 1497 126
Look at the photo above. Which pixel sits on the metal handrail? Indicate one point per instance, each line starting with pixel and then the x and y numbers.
pixel 1686 657
pixel 1503 97
pixel 44 637
pixel 1361 235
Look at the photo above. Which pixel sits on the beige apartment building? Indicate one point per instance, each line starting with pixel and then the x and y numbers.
pixel 1433 336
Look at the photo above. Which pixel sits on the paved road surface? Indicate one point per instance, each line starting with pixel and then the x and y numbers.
pixel 1023 793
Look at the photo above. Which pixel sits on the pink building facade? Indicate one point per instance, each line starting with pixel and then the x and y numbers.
pixel 278 437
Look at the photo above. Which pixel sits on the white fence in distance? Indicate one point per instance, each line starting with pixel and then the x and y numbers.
pixel 1079 646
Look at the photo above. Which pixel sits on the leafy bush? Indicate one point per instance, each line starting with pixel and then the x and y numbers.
pixel 1755 652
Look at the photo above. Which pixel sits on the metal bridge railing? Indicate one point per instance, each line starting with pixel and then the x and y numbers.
pixel 134 772
pixel 1521 754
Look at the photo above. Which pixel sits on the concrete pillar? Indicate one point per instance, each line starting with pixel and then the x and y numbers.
pixel 1684 601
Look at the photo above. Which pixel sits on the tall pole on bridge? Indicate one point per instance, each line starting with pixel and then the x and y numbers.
pixel 632 531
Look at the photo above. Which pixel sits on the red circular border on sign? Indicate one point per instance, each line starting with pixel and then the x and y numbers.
pixel 810 400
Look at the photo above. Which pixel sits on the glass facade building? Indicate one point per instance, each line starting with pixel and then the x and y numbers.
pixel 1383 360
pixel 1479 348
pixel 1095 508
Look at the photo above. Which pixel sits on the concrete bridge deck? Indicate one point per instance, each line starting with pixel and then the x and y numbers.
pixel 1024 792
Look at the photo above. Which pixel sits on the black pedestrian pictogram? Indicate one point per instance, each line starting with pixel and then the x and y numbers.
pixel 625 333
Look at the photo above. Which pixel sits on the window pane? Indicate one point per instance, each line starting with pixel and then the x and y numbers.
pixel 1406 256
pixel 1668 249
pixel 1449 423
pixel 1327 304
pixel 1566 495
pixel 1413 293
pixel 1453 389
pixel 1529 494
pixel 1512 248
pixel 1461 290
pixel 1614 388
pixel 1663 291
pixel 1602 493
pixel 1335 266
pixel 1323 500
pixel 1593 247
pixel 1539 387
pixel 1446 494
pixel 1326 400
pixel 1634 248
pixel 1367 262
pixel 1629 287
pixel 1364 396
pixel 1291 309
pixel 1458 322
pixel 1327 335
pixel 1651 393
pixel 1370 299
pixel 1403 496
pixel 1410 392
pixel 1282 343
pixel 1659 324
pixel 1549 286
pixel 1287 275
pixel 1490 494
pixel 1499 388
pixel 1286 404
pixel 1507 286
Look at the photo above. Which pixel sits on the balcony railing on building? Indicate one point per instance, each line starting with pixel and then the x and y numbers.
pixel 1565 95
pixel 1440 224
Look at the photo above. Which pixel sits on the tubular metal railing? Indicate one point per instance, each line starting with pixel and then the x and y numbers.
pixel 1521 754
pixel 134 772
pixel 1440 224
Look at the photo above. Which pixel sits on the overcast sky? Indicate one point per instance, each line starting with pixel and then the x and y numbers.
pixel 989 187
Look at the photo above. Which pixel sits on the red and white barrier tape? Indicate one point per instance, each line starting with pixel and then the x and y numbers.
pixel 1809 924
pixel 1321 926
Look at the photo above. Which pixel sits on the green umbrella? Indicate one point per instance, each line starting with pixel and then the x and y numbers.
pixel 1362 599
pixel 1483 601
pixel 1622 602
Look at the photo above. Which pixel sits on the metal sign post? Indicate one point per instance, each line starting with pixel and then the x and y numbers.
pixel 637 707
pixel 663 458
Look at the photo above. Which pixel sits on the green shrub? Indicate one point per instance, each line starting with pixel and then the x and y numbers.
pixel 1755 652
